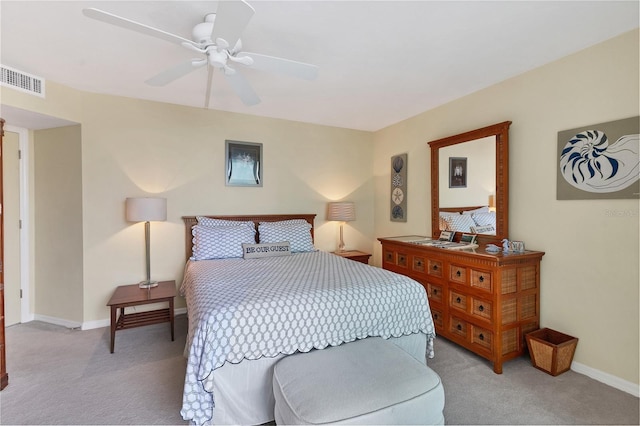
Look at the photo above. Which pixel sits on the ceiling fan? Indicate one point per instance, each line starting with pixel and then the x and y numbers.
pixel 217 39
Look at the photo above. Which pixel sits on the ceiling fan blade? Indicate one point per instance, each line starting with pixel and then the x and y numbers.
pixel 243 89
pixel 280 65
pixel 231 19
pixel 110 18
pixel 174 73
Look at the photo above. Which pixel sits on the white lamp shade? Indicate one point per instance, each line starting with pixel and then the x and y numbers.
pixel 145 209
pixel 344 211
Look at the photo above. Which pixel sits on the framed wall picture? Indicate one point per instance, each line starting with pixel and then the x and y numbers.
pixel 599 161
pixel 398 188
pixel 457 172
pixel 243 163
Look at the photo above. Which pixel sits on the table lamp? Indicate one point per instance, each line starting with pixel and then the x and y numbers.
pixel 344 211
pixel 145 209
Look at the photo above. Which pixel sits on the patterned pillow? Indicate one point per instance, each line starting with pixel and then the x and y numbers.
pixel 298 234
pixel 460 222
pixel 286 222
pixel 220 242
pixel 485 219
pixel 445 220
pixel 209 221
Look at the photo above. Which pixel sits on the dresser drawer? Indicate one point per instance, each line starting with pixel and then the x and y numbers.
pixel 458 274
pixel 438 318
pixel 458 301
pixel 458 327
pixel 434 292
pixel 434 268
pixel 482 308
pixel 481 279
pixel 482 338
pixel 418 264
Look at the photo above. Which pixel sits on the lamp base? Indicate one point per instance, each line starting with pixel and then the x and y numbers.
pixel 148 284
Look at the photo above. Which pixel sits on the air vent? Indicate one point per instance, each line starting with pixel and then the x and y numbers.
pixel 22 81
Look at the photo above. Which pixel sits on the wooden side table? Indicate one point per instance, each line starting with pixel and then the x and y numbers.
pixel 358 256
pixel 132 295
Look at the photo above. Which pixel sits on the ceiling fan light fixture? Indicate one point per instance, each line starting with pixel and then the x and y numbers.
pixel 217 59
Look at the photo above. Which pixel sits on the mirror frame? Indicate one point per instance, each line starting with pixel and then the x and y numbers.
pixel 501 132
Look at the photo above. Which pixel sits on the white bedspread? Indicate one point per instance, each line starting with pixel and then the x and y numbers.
pixel 247 309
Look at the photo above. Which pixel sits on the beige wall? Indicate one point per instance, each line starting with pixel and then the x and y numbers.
pixel 134 148
pixel 58 223
pixel 590 278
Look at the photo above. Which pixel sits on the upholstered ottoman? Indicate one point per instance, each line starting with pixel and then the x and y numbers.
pixel 370 381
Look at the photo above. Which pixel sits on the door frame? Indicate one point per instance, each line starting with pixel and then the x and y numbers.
pixel 25 231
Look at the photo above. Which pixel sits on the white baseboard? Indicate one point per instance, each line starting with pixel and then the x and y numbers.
pixel 57 321
pixel 88 325
pixel 607 379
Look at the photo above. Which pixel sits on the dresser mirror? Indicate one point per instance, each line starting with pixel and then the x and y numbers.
pixel 470 173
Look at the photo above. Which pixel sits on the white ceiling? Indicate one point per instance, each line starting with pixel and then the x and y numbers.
pixel 380 62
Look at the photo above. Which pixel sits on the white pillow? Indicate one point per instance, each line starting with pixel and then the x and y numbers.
pixel 485 219
pixel 298 235
pixel 210 221
pixel 220 242
pixel 460 223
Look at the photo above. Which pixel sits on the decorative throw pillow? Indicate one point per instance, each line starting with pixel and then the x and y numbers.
pixel 489 229
pixel 253 251
pixel 220 242
pixel 298 235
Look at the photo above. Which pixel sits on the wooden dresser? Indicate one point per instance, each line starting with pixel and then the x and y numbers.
pixel 481 301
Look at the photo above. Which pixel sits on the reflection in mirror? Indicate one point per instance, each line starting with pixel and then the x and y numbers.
pixel 469 183
pixel 478 173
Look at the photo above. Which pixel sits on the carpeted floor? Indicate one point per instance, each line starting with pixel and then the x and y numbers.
pixel 522 394
pixel 62 376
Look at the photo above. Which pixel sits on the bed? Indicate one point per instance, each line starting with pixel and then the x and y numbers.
pixel 247 313
pixel 468 219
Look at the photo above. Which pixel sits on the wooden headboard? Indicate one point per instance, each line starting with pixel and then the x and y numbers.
pixel 459 209
pixel 190 221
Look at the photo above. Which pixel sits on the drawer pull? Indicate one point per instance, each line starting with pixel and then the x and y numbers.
pixel 481 278
pixel 435 316
pixel 481 336
pixel 458 300
pixel 458 274
pixel 459 326
pixel 481 308
pixel 419 263
pixel 435 291
pixel 435 267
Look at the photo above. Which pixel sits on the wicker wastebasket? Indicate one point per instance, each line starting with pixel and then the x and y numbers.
pixel 551 351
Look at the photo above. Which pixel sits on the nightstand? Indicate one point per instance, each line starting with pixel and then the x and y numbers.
pixel 132 295
pixel 356 255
